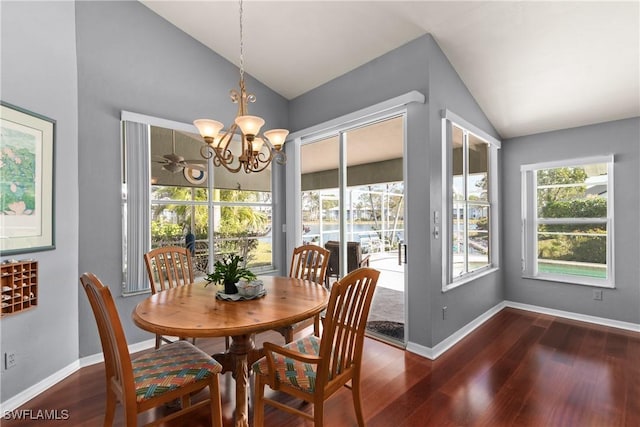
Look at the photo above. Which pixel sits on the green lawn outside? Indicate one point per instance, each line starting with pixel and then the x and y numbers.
pixel 261 255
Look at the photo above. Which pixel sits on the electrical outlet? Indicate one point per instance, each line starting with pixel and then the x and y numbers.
pixel 597 294
pixel 10 360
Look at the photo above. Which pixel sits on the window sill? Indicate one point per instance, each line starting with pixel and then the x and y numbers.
pixel 570 281
pixel 135 293
pixel 470 278
pixel 270 272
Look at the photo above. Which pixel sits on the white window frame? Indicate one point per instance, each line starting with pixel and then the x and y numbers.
pixel 530 222
pixel 448 281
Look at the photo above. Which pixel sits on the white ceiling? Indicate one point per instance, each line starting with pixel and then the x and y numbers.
pixel 532 66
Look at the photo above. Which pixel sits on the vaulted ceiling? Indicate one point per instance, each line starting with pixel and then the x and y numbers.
pixel 532 66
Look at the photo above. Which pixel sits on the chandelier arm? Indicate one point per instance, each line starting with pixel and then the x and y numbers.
pixel 260 169
pixel 264 163
pixel 280 157
pixel 235 96
pixel 263 157
pixel 206 152
pixel 227 165
pixel 268 143
pixel 254 163
pixel 224 156
pixel 227 137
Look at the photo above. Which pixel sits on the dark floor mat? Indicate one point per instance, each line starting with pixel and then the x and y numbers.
pixel 394 330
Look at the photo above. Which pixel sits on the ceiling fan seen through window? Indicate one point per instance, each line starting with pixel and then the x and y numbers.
pixel 173 162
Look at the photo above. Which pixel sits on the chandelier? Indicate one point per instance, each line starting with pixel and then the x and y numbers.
pixel 253 151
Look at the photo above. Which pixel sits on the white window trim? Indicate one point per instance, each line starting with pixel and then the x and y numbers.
pixel 448 282
pixel 529 222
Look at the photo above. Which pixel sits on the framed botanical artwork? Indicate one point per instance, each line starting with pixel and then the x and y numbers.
pixel 26 181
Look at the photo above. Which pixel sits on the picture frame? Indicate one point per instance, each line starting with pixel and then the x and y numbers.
pixel 27 161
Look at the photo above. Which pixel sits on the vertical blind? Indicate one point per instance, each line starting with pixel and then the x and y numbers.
pixel 135 206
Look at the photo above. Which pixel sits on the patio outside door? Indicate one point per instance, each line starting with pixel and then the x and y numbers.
pixel 352 186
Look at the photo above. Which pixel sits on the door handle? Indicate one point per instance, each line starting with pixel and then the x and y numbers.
pixel 402 248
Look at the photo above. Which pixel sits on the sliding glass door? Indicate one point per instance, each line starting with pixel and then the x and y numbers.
pixel 352 202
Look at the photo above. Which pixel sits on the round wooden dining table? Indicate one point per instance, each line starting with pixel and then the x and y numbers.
pixel 194 311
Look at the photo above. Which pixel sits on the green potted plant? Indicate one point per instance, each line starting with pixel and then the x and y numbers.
pixel 229 271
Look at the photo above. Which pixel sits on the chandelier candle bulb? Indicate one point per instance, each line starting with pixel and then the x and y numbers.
pixel 256 145
pixel 276 137
pixel 209 129
pixel 249 125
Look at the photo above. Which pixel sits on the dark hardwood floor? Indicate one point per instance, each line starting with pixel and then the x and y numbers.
pixel 518 369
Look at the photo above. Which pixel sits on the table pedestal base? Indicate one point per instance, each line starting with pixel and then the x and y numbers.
pixel 241 354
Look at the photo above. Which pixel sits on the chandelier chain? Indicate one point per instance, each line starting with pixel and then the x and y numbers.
pixel 241 45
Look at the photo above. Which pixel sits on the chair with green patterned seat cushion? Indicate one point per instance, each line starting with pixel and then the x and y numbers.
pixel 312 368
pixel 301 375
pixel 175 371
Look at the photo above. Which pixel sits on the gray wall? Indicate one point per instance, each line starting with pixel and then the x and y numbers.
pixel 418 65
pixel 468 301
pixel 620 138
pixel 131 59
pixel 39 74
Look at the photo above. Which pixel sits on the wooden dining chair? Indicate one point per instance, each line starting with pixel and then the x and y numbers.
pixel 308 262
pixel 174 371
pixel 168 267
pixel 312 368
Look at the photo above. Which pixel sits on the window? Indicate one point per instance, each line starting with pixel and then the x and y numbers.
pixel 165 203
pixel 568 221
pixel 242 223
pixel 470 199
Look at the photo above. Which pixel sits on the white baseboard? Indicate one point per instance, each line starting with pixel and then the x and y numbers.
pixel 453 339
pixel 457 336
pixel 33 391
pixel 420 350
pixel 133 348
pixel 443 346
pixel 576 316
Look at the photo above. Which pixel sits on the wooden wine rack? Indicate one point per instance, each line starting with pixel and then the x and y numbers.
pixel 19 283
